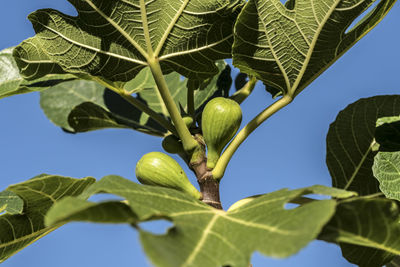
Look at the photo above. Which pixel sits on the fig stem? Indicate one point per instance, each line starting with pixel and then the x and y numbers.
pixel 139 105
pixel 209 187
pixel 242 94
pixel 189 143
pixel 222 163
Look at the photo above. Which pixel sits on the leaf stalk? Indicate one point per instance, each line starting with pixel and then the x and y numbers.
pixel 138 104
pixel 244 92
pixel 154 115
pixel 189 143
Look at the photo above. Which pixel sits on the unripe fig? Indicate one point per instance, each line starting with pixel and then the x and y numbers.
pixel 188 121
pixel 156 168
pixel 220 121
pixel 172 144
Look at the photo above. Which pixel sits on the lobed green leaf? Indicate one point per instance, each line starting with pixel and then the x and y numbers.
pixel 80 106
pixel 386 169
pixel 204 236
pixel 74 209
pixel 287 47
pixel 10 203
pixel 115 39
pixel 38 194
pixel 367 231
pixel 12 83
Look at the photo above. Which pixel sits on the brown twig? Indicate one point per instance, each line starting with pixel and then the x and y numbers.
pixel 209 187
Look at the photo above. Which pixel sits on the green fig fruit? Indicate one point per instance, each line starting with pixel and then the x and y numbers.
pixel 156 168
pixel 172 144
pixel 220 121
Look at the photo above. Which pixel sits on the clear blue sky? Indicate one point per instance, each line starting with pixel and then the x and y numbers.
pixel 288 151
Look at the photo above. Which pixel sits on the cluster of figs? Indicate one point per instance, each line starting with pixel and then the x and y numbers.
pixel 221 119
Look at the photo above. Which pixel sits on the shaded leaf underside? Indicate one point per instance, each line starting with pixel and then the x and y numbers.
pixel 395 262
pixel 351 141
pixel 80 106
pixel 367 231
pixel 352 144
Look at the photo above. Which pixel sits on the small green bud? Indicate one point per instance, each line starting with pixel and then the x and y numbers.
pixel 220 121
pixel 156 168
pixel 188 121
pixel 172 144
